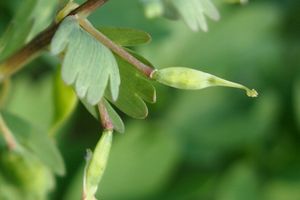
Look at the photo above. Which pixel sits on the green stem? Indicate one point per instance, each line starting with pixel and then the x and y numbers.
pixel 97 161
pixel 4 92
pixel 7 135
pixel 34 48
pixel 145 69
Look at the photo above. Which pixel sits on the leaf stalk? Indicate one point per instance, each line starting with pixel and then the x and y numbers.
pixel 145 69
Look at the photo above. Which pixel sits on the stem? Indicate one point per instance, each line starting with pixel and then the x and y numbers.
pixel 104 117
pixel 7 135
pixel 27 53
pixel 31 50
pixel 88 7
pixel 145 69
pixel 4 92
pixel 97 161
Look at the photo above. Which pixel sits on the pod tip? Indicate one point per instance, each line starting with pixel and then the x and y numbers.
pixel 252 93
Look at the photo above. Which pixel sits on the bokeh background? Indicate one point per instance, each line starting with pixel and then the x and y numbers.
pixel 213 144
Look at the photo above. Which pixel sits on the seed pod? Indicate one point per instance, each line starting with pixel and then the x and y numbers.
pixel 96 164
pixel 190 79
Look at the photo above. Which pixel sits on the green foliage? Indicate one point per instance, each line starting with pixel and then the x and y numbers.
pixel 126 36
pixel 134 89
pixel 24 25
pixel 209 144
pixel 65 102
pixel 16 36
pixel 193 13
pixel 36 142
pixel 115 118
pixel 88 65
pixel 23 169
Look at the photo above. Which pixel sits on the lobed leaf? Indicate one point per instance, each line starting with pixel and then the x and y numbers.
pixel 126 36
pixel 35 142
pixel 134 89
pixel 192 12
pixel 88 65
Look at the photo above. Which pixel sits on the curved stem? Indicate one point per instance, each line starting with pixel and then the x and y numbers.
pixel 4 92
pixel 145 69
pixel 104 117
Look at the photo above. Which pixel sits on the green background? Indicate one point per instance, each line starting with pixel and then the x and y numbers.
pixel 213 144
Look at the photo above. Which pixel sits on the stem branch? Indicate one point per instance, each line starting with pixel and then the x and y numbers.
pixel 145 69
pixel 31 50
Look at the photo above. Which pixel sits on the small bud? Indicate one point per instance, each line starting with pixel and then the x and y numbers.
pixel 190 79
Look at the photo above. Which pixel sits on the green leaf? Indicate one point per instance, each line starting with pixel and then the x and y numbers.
pixel 126 36
pixel 190 79
pixel 134 89
pixel 26 174
pixel 65 102
pixel 31 17
pixel 18 31
pixel 88 65
pixel 114 117
pixel 36 142
pixel 192 12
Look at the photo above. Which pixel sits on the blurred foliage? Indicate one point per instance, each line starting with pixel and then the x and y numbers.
pixel 213 144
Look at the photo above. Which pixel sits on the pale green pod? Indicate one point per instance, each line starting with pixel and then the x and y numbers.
pixel 96 164
pixel 190 79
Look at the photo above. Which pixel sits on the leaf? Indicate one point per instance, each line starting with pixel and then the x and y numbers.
pixel 26 173
pixel 37 143
pixel 192 12
pixel 64 101
pixel 190 79
pixel 88 65
pixel 18 31
pixel 31 17
pixel 114 117
pixel 134 89
pixel 126 36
